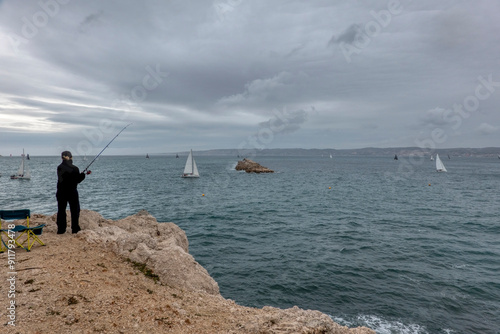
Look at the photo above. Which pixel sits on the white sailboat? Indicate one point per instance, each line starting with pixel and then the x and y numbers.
pixel 190 170
pixel 23 173
pixel 439 165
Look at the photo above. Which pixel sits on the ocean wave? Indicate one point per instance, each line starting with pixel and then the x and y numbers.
pixel 384 326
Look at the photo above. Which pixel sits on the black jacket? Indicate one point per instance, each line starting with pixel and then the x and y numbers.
pixel 68 177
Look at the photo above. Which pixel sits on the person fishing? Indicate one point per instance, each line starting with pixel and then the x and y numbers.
pixel 68 178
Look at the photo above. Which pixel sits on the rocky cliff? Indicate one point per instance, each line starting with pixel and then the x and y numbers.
pixel 133 275
pixel 251 166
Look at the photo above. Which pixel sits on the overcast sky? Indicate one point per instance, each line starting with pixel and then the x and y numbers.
pixel 247 74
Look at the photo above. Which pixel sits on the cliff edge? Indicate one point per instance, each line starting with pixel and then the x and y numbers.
pixel 133 275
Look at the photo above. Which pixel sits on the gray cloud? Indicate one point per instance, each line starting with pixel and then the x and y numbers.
pixel 348 36
pixel 435 117
pixel 487 129
pixel 90 20
pixel 285 122
pixel 227 73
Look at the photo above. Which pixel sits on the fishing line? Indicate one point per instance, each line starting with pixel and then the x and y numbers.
pixel 97 156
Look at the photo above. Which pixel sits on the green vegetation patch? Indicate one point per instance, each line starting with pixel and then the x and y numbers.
pixel 144 269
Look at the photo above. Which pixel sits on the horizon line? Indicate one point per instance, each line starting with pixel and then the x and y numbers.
pixel 424 150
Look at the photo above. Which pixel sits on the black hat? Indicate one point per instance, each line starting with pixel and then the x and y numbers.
pixel 66 154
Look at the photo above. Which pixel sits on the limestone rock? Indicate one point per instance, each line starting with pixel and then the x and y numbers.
pixel 251 166
pixel 88 220
pixel 80 284
pixel 296 320
pixel 162 247
pixel 178 268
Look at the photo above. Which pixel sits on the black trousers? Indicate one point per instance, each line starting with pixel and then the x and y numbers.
pixel 63 198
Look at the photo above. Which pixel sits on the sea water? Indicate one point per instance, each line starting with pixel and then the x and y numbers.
pixel 392 245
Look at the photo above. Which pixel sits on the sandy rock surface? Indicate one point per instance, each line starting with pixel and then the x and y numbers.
pixel 131 276
pixel 251 166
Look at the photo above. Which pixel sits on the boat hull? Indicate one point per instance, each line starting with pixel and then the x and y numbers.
pixel 189 176
pixel 15 177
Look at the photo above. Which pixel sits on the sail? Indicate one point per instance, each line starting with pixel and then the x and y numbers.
pixel 23 172
pixel 439 164
pixel 27 174
pixel 20 171
pixel 195 169
pixel 190 170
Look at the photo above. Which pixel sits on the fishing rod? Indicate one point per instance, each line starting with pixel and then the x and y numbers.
pixel 97 156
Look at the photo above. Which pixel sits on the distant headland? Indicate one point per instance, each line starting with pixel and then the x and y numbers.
pixel 493 152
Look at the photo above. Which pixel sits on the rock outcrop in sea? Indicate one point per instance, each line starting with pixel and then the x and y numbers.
pixel 90 282
pixel 251 166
